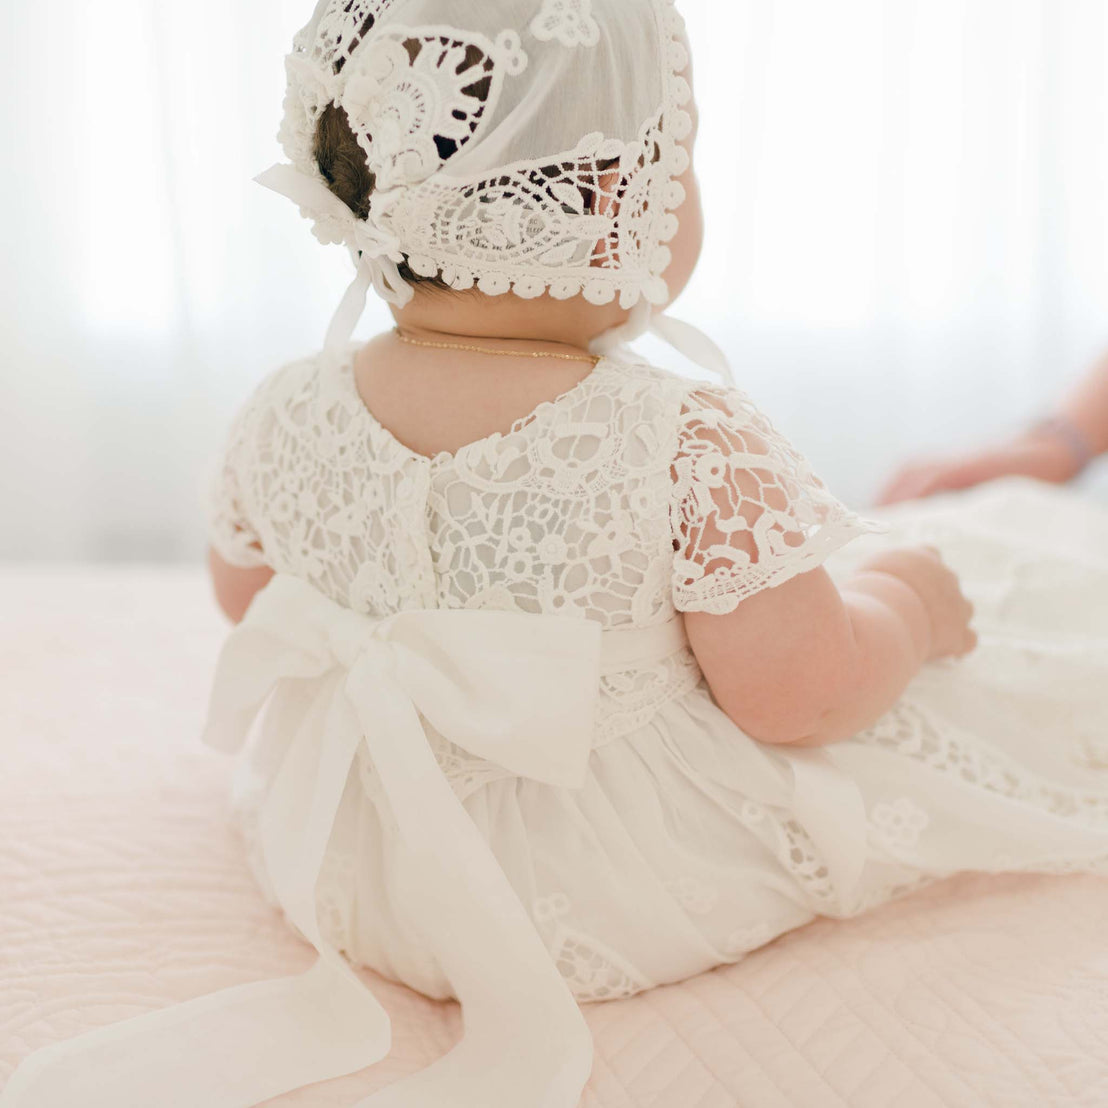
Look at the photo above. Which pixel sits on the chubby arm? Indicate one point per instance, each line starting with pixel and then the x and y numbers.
pixel 805 664
pixel 234 586
pixel 789 656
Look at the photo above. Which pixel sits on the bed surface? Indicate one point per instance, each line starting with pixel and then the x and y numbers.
pixel 123 889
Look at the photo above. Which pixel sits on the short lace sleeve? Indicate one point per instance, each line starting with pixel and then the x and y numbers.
pixel 747 512
pixel 230 531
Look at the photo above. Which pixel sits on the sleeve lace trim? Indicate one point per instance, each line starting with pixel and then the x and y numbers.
pixel 747 512
pixel 229 530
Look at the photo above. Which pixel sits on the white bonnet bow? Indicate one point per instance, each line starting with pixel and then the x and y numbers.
pixel 524 146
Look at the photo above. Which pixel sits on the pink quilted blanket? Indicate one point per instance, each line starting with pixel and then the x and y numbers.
pixel 122 889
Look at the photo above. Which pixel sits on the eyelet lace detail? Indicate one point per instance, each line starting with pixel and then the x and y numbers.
pixel 795 852
pixel 743 940
pixel 593 971
pixel 897 825
pixel 696 897
pixel 335 900
pixel 909 730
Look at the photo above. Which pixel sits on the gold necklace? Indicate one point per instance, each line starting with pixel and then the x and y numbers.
pixel 594 358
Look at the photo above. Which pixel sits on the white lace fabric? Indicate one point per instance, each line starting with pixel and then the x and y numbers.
pixel 486 172
pixel 634 495
pixel 748 513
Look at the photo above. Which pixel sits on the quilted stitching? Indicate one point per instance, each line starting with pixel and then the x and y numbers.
pixel 125 891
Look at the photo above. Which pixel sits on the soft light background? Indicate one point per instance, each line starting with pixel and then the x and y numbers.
pixel 908 231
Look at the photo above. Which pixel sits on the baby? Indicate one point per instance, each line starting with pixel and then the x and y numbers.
pixel 561 701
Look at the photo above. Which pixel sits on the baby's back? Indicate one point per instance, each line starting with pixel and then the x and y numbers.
pixel 565 511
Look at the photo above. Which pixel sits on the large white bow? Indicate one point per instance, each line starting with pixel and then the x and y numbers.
pixel 519 690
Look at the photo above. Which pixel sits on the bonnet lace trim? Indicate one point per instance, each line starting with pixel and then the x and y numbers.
pixel 544 224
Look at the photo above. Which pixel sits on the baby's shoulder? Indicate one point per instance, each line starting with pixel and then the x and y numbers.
pixel 303 393
pixel 686 401
pixel 634 379
pixel 288 383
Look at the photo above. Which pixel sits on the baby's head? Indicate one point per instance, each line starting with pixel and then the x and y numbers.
pixel 534 147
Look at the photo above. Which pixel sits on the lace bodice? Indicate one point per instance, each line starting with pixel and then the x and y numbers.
pixel 632 496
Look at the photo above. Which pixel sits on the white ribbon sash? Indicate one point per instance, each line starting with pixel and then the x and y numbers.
pixel 518 690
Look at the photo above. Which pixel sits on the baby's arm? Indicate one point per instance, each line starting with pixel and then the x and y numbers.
pixel 1086 408
pixel 791 658
pixel 806 664
pixel 235 586
pixel 1056 449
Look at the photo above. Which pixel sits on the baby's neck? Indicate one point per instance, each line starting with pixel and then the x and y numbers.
pixel 474 315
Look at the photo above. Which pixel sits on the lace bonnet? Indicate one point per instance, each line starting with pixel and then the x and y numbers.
pixel 523 146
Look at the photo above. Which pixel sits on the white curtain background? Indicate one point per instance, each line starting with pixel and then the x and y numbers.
pixel 907 204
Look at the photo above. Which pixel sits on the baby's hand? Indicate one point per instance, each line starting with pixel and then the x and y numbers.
pixel 949 612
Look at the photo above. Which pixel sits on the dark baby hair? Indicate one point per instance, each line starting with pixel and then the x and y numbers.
pixel 343 165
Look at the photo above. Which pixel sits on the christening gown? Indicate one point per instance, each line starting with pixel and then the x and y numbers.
pixel 490 767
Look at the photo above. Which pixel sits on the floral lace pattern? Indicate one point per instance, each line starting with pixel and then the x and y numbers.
pixel 342 28
pixel 577 509
pixel 571 511
pixel 743 940
pixel 697 898
pixel 747 511
pixel 898 824
pixel 417 99
pixel 910 731
pixel 794 851
pixel 569 21
pixel 593 971
pixel 334 904
pixel 589 218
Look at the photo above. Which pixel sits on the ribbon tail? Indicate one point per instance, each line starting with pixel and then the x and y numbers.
pixel 683 337
pixel 694 344
pixel 389 285
pixel 829 806
pixel 248 1044
pixel 637 324
pixel 350 310
pixel 304 191
pixel 231 1049
pixel 526 1041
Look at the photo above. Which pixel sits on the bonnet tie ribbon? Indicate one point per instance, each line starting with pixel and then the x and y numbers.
pixel 681 336
pixel 518 690
pixel 374 251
